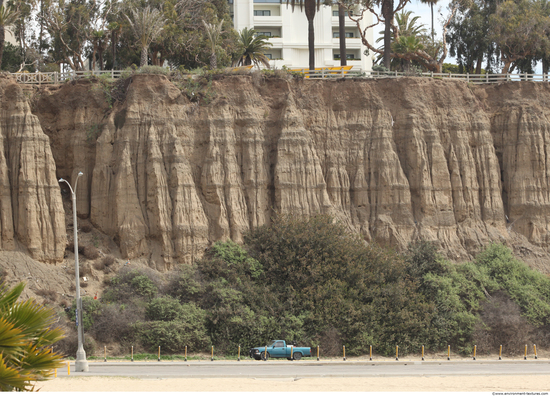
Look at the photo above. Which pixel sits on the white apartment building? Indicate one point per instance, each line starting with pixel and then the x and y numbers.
pixel 288 34
pixel 9 37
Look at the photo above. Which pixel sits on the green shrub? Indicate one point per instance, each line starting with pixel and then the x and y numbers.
pixel 144 286
pixel 128 282
pixel 154 70
pixel 173 336
pixel 528 288
pixel 184 285
pixel 90 308
pixel 165 309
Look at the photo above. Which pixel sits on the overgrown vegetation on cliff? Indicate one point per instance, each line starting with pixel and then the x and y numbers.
pixel 310 280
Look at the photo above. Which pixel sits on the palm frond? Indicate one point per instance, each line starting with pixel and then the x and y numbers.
pixel 26 337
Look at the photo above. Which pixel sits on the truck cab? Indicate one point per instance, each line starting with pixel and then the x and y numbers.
pixel 279 349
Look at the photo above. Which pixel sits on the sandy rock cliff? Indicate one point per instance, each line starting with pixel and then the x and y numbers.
pixel 395 160
pixel 31 210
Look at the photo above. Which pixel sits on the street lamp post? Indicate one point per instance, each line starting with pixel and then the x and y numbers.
pixel 81 363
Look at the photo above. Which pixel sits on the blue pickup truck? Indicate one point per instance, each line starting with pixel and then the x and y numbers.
pixel 279 349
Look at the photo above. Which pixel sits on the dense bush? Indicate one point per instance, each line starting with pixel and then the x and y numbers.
pixel 528 288
pixel 166 309
pixel 310 280
pixel 173 336
pixel 90 308
pixel 131 282
pixel 502 324
pixel 114 323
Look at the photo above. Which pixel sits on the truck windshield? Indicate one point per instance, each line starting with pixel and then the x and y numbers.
pixel 273 343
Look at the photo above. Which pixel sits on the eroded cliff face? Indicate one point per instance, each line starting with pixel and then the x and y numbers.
pixel 395 160
pixel 31 210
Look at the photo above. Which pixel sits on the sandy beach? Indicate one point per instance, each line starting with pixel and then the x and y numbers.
pixel 531 383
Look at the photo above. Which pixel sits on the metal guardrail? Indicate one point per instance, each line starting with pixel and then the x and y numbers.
pixel 324 73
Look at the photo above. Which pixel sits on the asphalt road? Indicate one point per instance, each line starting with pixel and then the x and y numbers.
pixel 310 369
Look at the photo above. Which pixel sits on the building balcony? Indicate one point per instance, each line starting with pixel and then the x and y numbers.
pixel 276 42
pixel 351 42
pixel 356 63
pixel 276 21
pixel 349 22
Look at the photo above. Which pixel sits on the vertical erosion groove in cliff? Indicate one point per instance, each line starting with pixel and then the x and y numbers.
pixel 395 160
pixel 31 210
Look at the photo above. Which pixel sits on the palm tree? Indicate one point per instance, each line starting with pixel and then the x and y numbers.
pixel 147 25
pixel 26 336
pixel 214 33
pixel 408 26
pixel 410 39
pixel 99 44
pixel 310 6
pixel 431 3
pixel 253 48
pixel 7 18
pixel 342 33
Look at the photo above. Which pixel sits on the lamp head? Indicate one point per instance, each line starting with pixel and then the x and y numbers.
pixel 80 173
pixel 61 180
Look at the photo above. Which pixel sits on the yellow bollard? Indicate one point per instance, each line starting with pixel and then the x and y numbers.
pixel 397 352
pixel 422 352
pixel 535 348
pixel 525 356
pixel 68 368
pixel 475 348
pixel 186 353
pixel 55 373
pixel 292 352
pixel 500 353
pixel 317 352
pixel 158 360
pixel 370 352
pixel 132 353
pixel 212 355
pixel 344 353
pixel 265 354
pixel 105 353
pixel 448 352
pixel 239 354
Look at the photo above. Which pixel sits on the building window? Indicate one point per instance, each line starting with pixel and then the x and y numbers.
pixel 262 13
pixel 348 56
pixel 267 34
pixel 269 56
pixel 337 34
pixel 335 13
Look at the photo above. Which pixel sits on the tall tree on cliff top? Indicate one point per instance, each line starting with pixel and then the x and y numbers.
pixel 430 60
pixel 7 18
pixel 69 25
pixel 412 38
pixel 431 3
pixel 520 30
pixel 147 24
pixel 310 7
pixel 213 31
pixel 342 13
pixel 252 49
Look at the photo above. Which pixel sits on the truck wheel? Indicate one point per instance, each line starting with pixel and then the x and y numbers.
pixel 297 355
pixel 263 355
